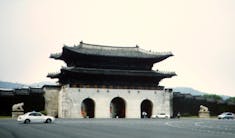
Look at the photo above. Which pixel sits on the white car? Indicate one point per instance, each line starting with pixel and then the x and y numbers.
pixel 161 116
pixel 35 117
pixel 226 115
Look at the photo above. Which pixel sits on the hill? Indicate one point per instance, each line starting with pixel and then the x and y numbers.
pixel 194 92
pixel 40 84
pixel 188 90
pixel 11 85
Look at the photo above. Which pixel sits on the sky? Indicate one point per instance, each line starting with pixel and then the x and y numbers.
pixel 200 34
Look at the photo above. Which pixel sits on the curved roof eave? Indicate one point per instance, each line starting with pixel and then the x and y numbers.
pixel 120 72
pixel 109 51
pixel 53 75
pixel 56 55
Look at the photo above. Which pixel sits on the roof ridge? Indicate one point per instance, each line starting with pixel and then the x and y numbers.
pixel 132 52
pixel 136 48
pixel 108 46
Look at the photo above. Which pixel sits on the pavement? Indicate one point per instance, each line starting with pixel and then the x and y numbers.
pixel 120 128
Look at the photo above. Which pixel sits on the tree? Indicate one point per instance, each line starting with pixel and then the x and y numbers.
pixel 231 99
pixel 213 96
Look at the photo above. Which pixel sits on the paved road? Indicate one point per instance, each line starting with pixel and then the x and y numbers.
pixel 120 128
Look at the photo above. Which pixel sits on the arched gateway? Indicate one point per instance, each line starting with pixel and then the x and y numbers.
pixel 118 108
pixel 146 108
pixel 88 108
pixel 106 72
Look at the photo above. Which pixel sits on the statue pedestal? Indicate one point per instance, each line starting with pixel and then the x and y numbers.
pixel 15 114
pixel 204 114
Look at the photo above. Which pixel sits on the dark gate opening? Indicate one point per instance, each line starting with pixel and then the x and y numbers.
pixel 88 108
pixel 146 109
pixel 118 108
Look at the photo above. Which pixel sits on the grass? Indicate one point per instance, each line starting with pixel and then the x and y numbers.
pixel 196 117
pixel 189 117
pixel 5 117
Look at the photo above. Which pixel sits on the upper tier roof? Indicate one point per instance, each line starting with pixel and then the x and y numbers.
pixel 111 51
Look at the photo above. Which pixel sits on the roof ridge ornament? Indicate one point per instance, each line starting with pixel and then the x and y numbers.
pixel 55 55
pixel 81 44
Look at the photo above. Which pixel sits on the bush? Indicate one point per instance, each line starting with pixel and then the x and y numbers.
pixel 44 112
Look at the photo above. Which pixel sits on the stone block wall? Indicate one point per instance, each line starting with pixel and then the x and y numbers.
pixel 51 100
pixel 70 101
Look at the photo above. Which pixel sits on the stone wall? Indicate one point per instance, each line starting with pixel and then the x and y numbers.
pixel 70 100
pixel 51 100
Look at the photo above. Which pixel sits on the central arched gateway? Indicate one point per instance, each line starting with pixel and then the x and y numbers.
pixel 117 108
pixel 88 108
pixel 146 109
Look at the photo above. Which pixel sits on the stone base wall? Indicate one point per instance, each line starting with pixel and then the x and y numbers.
pixel 15 114
pixel 204 114
pixel 51 100
pixel 70 101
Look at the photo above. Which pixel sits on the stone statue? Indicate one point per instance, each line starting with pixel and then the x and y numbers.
pixel 203 108
pixel 204 112
pixel 18 107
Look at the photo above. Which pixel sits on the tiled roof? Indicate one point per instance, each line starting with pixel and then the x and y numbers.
pixel 131 52
pixel 115 72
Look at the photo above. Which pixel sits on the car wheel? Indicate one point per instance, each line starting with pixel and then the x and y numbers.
pixel 48 121
pixel 27 121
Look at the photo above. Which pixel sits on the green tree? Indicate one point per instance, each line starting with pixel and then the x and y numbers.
pixel 231 99
pixel 213 96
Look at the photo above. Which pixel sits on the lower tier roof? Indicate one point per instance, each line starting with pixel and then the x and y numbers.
pixel 113 72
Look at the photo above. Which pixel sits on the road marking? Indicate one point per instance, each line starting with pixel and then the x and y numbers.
pixel 201 127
